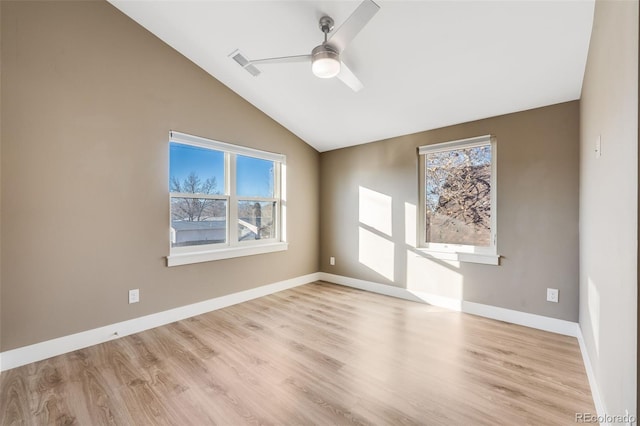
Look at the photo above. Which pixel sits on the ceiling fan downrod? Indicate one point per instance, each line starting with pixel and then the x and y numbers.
pixel 326 26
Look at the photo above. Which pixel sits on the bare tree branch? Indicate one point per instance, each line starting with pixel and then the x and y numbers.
pixel 458 196
pixel 194 209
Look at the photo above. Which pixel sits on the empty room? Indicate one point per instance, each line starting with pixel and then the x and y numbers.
pixel 319 212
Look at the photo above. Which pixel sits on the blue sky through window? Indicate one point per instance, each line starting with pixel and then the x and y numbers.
pixel 205 163
pixel 254 176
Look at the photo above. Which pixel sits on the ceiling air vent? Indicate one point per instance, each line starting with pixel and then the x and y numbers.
pixel 244 63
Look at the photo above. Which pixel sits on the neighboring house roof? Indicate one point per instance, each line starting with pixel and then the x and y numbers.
pixel 185 225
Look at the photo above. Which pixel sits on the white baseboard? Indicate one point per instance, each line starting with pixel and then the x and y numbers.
pixel 540 322
pixel 389 290
pixel 601 410
pixel 43 350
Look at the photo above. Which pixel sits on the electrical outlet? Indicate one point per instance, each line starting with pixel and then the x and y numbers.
pixel 598 149
pixel 332 261
pixel 552 295
pixel 134 295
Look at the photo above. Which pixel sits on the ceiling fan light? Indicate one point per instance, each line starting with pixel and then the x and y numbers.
pixel 325 63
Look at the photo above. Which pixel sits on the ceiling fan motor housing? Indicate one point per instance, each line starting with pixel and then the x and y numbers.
pixel 325 61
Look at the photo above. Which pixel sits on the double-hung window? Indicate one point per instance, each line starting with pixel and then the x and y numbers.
pixel 458 200
pixel 225 200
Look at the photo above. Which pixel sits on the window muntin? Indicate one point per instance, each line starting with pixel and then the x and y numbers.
pixel 214 185
pixel 458 196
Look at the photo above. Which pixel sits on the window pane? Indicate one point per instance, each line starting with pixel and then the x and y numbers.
pixel 254 177
pixel 256 220
pixel 458 196
pixel 195 170
pixel 196 221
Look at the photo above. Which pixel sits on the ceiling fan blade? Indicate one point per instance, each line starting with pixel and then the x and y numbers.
pixel 282 59
pixel 349 78
pixel 249 66
pixel 353 25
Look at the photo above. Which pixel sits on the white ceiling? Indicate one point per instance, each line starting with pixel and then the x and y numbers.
pixel 424 64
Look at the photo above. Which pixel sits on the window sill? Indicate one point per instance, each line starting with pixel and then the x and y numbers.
pixel 487 259
pixel 224 253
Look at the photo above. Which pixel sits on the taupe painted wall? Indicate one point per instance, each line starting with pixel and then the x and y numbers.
pixel 0 179
pixel 537 190
pixel 88 99
pixel 609 203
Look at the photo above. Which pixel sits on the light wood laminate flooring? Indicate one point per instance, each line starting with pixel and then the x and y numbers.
pixel 316 354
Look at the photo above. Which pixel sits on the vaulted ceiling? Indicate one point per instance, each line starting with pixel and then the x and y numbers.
pixel 424 64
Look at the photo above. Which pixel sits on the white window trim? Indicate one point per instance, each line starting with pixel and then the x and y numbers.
pixel 224 253
pixel 457 252
pixel 233 248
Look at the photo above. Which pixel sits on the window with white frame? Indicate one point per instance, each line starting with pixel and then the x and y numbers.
pixel 225 200
pixel 458 200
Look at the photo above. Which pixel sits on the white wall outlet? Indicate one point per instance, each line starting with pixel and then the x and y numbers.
pixel 332 261
pixel 599 146
pixel 552 295
pixel 134 295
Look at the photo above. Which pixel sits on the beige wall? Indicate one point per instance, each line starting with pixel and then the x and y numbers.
pixel 0 180
pixel 537 193
pixel 88 99
pixel 609 202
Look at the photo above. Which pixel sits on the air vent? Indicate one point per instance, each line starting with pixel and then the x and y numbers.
pixel 244 63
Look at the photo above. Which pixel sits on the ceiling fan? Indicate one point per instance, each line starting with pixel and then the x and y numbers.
pixel 325 58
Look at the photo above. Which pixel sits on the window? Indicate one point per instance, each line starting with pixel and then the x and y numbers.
pixel 458 200
pixel 225 200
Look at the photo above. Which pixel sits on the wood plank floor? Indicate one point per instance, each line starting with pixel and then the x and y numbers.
pixel 316 354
